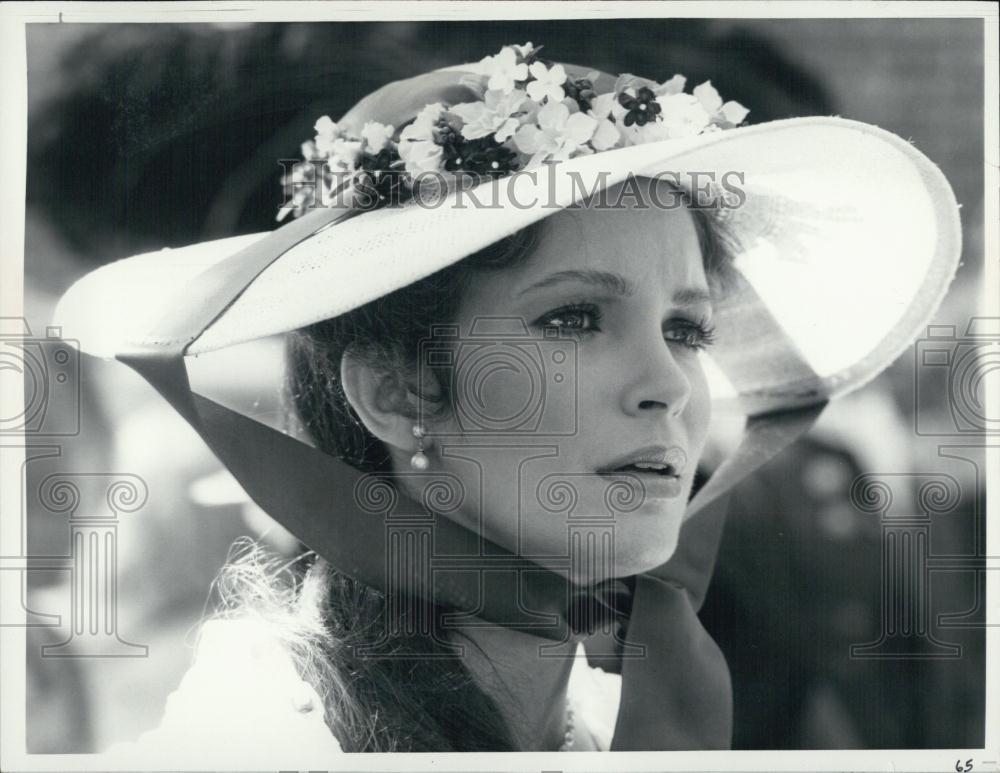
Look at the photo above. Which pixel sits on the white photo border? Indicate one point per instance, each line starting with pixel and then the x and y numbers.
pixel 13 138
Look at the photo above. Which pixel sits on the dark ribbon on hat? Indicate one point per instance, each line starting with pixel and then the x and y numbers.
pixel 676 691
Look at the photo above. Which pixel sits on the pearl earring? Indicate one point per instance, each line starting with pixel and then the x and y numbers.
pixel 419 460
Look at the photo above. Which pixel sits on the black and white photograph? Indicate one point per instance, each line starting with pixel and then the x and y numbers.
pixel 449 386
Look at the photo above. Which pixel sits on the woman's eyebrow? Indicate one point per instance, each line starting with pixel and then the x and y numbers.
pixel 607 280
pixel 617 284
pixel 691 296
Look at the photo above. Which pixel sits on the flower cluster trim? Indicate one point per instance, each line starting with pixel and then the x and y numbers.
pixel 529 112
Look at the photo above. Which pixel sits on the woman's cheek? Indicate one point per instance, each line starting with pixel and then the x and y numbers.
pixel 520 392
pixel 698 413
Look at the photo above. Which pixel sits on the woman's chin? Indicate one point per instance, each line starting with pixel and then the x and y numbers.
pixel 645 549
pixel 629 562
pixel 639 564
pixel 638 542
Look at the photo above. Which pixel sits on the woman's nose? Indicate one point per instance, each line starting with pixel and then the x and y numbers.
pixel 658 382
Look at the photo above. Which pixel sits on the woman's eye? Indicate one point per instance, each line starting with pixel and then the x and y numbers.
pixel 580 319
pixel 693 335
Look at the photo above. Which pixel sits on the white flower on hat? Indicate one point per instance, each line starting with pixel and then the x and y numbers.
pixel 547 82
pixel 493 116
pixel 557 136
pixel 683 115
pixel 422 128
pixel 309 151
pixel 420 157
pixel 375 136
pixel 417 146
pixel 327 132
pixel 673 86
pixel 606 135
pixel 731 112
pixel 503 70
pixel 525 50
pixel 601 105
pixel 344 154
pixel 300 183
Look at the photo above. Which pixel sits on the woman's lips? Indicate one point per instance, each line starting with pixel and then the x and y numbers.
pixel 656 470
pixel 650 485
pixel 666 459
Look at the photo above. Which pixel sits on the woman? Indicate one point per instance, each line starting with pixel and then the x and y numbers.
pixel 496 302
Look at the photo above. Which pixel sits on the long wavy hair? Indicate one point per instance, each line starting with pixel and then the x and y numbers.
pixel 397 691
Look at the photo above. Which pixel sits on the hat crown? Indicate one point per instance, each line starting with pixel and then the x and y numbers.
pixel 398 102
pixel 508 113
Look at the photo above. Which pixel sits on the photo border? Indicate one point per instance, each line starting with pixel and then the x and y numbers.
pixel 13 138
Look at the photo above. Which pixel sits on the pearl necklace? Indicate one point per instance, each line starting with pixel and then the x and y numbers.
pixel 568 736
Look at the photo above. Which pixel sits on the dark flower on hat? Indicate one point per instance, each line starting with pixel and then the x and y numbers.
pixel 581 91
pixel 379 178
pixel 483 156
pixel 451 142
pixel 490 158
pixel 642 108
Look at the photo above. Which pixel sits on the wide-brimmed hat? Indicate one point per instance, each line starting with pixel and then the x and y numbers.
pixel 845 239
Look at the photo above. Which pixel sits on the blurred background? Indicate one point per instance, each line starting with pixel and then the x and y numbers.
pixel 145 136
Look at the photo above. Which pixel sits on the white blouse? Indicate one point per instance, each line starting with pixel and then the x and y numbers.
pixel 243 704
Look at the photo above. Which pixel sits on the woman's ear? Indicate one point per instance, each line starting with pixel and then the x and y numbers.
pixel 381 400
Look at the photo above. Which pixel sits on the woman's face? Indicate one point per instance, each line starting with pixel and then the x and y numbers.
pixel 579 406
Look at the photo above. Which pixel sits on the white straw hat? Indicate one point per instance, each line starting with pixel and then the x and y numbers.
pixel 847 239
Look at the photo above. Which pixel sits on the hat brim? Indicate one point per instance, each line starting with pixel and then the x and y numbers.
pixel 848 237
